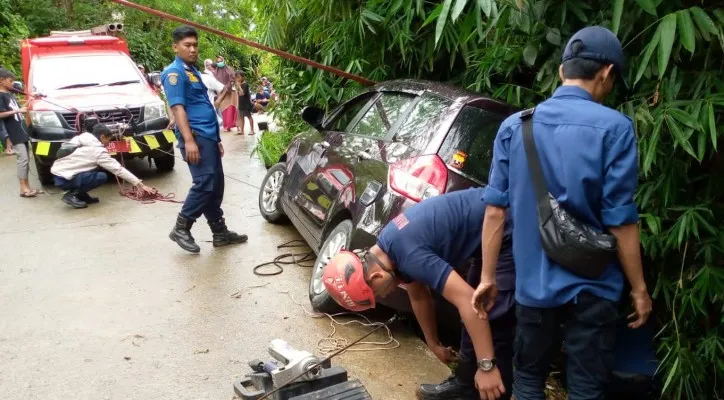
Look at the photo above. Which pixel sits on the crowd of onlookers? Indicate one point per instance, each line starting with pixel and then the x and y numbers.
pixel 235 98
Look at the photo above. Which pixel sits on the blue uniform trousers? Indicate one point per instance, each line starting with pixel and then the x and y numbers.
pixel 82 182
pixel 207 193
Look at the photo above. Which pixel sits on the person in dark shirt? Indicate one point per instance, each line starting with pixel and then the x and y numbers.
pixel 420 247
pixel 261 101
pixel 242 90
pixel 11 115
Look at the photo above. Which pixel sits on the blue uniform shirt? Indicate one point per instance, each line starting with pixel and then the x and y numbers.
pixel 589 158
pixel 183 86
pixel 432 237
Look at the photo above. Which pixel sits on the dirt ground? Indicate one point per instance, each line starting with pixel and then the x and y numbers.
pixel 100 304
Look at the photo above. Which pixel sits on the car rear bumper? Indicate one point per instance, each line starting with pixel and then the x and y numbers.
pixel 141 145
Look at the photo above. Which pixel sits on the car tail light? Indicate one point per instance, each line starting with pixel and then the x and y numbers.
pixel 418 178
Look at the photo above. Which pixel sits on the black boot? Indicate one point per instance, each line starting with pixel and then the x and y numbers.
pixel 181 234
pixel 84 196
pixel 71 198
pixel 223 236
pixel 457 386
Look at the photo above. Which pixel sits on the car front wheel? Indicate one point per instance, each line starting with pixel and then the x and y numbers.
pixel 270 194
pixel 339 238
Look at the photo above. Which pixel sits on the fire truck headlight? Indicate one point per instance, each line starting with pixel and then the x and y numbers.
pixel 154 111
pixel 45 119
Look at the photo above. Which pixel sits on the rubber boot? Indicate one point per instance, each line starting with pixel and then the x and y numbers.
pixel 458 386
pixel 223 236
pixel 181 234
pixel 72 199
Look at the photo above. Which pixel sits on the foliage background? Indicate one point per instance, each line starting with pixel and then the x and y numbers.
pixel 508 49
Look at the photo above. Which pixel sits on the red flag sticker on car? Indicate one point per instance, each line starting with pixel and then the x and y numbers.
pixel 458 159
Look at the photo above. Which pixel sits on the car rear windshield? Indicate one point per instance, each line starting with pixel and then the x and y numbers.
pixel 52 73
pixel 423 121
pixel 471 138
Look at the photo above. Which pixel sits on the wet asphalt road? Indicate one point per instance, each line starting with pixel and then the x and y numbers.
pixel 100 304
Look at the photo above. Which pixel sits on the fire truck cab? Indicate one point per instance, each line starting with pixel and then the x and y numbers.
pixel 70 76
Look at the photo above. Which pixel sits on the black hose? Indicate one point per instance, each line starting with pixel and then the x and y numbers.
pixel 300 259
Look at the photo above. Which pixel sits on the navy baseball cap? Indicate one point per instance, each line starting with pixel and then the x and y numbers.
pixel 598 44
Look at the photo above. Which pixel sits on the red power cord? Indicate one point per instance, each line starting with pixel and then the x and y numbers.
pixel 141 196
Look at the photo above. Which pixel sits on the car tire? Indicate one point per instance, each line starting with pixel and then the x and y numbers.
pixel 44 175
pixel 165 162
pixel 340 236
pixel 270 192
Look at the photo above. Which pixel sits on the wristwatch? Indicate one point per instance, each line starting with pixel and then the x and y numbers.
pixel 486 364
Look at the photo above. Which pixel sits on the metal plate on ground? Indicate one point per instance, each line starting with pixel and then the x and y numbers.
pixel 350 390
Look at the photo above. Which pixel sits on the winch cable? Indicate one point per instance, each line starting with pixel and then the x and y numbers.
pixel 300 259
pixel 280 53
pixel 329 357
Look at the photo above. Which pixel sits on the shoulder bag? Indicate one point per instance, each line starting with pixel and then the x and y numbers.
pixel 573 244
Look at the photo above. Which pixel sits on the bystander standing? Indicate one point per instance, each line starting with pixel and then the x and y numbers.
pixel 12 116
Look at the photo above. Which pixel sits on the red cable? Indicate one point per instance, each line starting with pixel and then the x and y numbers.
pixel 143 197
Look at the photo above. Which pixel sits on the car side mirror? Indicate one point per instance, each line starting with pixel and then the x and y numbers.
pixel 314 116
pixel 155 78
pixel 18 86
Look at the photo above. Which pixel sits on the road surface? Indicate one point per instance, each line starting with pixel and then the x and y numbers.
pixel 99 304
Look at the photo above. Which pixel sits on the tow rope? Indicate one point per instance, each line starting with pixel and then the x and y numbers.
pixel 280 53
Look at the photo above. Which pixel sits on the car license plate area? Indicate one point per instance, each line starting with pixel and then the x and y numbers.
pixel 119 146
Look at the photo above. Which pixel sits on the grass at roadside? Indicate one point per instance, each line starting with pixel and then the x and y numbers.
pixel 271 146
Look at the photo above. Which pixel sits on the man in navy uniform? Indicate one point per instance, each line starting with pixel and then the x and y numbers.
pixel 589 159
pixel 420 247
pixel 197 131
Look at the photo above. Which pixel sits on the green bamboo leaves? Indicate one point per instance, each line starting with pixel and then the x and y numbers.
pixel 687 22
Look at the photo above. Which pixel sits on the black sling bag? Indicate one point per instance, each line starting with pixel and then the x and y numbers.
pixel 573 244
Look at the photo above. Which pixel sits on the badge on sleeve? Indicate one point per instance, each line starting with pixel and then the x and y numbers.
pixel 173 78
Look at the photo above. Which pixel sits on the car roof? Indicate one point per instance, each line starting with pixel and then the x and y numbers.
pixel 448 91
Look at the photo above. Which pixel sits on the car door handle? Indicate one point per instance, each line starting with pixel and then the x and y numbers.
pixel 324 145
pixel 363 155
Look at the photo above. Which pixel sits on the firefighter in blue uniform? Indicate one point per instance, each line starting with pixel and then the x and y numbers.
pixel 197 131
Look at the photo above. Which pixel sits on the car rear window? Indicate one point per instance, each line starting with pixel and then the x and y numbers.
pixel 471 137
pixel 423 122
pixel 382 115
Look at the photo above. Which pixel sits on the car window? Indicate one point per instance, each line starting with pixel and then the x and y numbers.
pixel 382 115
pixel 345 117
pixel 471 137
pixel 418 129
pixel 52 73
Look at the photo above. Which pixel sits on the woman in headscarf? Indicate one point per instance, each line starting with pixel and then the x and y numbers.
pixel 228 105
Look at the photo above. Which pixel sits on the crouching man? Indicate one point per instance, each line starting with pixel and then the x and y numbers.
pixel 420 248
pixel 77 170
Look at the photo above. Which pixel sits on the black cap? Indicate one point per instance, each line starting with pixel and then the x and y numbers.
pixel 598 44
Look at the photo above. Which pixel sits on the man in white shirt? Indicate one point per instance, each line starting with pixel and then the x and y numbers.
pixel 214 87
pixel 78 172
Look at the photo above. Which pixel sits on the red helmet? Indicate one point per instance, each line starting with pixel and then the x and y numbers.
pixel 344 278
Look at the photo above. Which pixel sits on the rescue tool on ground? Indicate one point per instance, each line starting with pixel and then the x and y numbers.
pixel 299 375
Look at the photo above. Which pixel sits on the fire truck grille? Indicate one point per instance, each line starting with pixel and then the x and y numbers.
pixel 107 116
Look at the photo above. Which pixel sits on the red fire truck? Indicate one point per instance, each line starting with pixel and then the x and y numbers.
pixel 73 75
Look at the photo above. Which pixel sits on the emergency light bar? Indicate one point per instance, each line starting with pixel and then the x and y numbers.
pixel 98 30
pixel 71 40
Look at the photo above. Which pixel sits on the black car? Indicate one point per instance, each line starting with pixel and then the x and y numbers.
pixel 365 162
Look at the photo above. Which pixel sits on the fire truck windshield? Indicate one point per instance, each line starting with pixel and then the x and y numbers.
pixel 76 71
